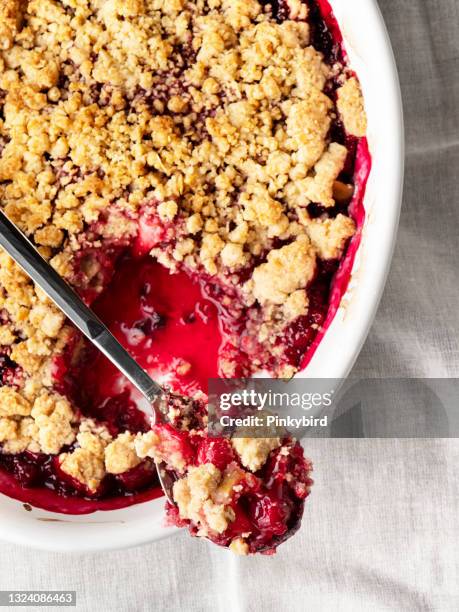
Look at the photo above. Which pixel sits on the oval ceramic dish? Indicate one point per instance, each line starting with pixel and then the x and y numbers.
pixel 370 55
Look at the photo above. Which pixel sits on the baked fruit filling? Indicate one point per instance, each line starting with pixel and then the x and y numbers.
pixel 196 171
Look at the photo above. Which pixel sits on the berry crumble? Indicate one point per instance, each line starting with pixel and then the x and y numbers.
pixel 196 171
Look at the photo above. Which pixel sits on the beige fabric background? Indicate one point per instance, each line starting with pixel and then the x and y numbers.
pixel 381 529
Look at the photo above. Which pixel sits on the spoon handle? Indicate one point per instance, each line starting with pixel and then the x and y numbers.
pixel 41 272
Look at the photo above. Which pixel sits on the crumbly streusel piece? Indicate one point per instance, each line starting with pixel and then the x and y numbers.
pixel 8 429
pixel 319 187
pixel 86 464
pixel 287 269
pixel 19 435
pixel 330 235
pixel 195 494
pixel 351 107
pixel 254 452
pixel 308 122
pixel 10 19
pixel 239 547
pixel 44 426
pixel 13 404
pixel 295 305
pixel 120 455
pixel 54 418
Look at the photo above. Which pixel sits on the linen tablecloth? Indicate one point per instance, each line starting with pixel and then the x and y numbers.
pixel 381 529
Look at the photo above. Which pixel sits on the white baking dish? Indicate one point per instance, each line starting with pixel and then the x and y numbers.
pixel 370 54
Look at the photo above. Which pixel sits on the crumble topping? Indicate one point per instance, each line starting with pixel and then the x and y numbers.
pixel 351 107
pixel 295 305
pixel 120 455
pixel 254 452
pixel 98 454
pixel 213 115
pixel 271 284
pixel 86 464
pixel 54 417
pixel 13 404
pixel 44 426
pixel 34 328
pixel 330 235
pixel 19 435
pixel 320 188
pixel 195 497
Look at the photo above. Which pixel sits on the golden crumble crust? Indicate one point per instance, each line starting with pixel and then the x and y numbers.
pixel 45 425
pixel 84 466
pixel 267 131
pixel 31 316
pixel 19 435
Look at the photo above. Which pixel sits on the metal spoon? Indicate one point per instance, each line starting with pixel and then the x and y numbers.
pixel 43 274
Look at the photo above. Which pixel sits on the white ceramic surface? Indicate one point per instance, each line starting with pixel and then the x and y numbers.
pixel 371 56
